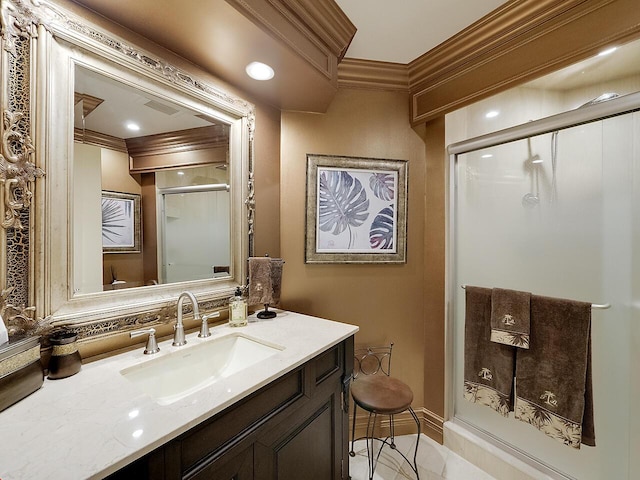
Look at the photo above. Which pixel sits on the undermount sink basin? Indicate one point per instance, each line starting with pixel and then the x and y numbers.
pixel 183 372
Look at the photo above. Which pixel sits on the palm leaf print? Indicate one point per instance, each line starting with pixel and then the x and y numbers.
pixel 381 232
pixel 519 339
pixel 382 185
pixel 539 416
pixel 343 202
pixel 112 220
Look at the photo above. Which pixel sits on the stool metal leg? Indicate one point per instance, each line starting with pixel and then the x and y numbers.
pixel 415 453
pixel 392 432
pixel 370 449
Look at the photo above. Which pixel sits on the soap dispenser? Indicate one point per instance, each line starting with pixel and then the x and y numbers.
pixel 237 309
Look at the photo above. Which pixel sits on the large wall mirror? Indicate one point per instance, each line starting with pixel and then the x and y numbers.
pixel 137 179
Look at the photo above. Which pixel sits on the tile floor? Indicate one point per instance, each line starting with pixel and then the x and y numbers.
pixel 435 462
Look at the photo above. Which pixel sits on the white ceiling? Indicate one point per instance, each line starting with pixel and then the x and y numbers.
pixel 402 30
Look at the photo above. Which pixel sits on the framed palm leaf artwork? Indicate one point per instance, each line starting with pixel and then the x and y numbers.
pixel 120 222
pixel 356 210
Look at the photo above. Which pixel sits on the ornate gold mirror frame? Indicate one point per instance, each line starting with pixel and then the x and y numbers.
pixel 41 45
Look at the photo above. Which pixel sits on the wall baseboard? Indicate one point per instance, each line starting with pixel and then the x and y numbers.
pixel 431 424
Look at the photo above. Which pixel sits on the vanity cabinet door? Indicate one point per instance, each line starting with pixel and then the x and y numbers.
pixel 309 441
pixel 305 450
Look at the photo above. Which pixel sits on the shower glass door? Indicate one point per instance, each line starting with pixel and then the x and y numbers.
pixel 558 214
pixel 195 235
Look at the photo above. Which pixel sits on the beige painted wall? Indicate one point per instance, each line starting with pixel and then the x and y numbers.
pixel 267 181
pixel 385 301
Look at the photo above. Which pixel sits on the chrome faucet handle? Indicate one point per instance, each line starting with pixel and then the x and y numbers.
pixel 152 344
pixel 204 328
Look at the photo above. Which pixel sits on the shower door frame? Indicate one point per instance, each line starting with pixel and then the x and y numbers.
pixel 592 113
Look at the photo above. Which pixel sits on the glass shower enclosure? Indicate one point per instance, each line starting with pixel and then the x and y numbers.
pixel 552 207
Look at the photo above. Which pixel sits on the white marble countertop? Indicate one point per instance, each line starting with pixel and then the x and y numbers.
pixel 95 422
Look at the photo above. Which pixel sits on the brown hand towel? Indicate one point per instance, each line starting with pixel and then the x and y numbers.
pixel 265 280
pixel 488 366
pixel 553 377
pixel 260 286
pixel 510 317
pixel 276 279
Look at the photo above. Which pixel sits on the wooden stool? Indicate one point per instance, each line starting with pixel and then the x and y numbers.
pixel 382 395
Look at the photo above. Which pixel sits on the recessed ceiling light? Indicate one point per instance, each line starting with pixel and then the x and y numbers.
pixel 133 126
pixel 492 114
pixel 260 71
pixel 608 51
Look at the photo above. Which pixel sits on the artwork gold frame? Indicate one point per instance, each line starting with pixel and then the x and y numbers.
pixel 120 222
pixel 356 210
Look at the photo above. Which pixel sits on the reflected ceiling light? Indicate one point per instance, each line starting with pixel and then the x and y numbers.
pixel 133 126
pixel 259 71
pixel 138 433
pixel 134 413
pixel 492 114
pixel 180 172
pixel 487 155
pixel 608 51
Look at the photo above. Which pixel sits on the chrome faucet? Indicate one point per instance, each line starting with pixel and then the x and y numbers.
pixel 178 334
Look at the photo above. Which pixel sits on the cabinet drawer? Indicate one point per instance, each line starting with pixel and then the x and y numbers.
pixel 328 363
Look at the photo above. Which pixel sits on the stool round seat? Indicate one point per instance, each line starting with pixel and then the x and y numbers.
pixel 381 394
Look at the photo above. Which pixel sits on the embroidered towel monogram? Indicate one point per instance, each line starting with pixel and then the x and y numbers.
pixel 554 376
pixel 510 317
pixel 488 366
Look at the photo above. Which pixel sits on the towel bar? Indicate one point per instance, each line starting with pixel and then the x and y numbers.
pixel 599 306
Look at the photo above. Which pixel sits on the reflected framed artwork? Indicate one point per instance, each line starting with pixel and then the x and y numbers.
pixel 356 210
pixel 120 222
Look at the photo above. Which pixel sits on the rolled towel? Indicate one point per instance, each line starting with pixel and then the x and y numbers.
pixel 553 377
pixel 488 366
pixel 510 317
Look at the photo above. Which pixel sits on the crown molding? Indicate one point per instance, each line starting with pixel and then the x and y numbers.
pixel 317 31
pixel 520 41
pixel 327 21
pixel 517 42
pixel 176 142
pixel 90 137
pixel 89 103
pixel 356 73
pixel 490 33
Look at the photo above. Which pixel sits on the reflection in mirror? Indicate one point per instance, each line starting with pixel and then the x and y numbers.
pixel 151 195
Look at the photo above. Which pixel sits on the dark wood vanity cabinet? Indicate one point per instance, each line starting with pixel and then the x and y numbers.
pixel 293 428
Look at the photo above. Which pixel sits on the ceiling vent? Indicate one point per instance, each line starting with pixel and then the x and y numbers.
pixel 161 107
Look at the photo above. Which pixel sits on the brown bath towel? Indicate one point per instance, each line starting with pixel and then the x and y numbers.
pixel 265 280
pixel 510 320
pixel 553 377
pixel 488 366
